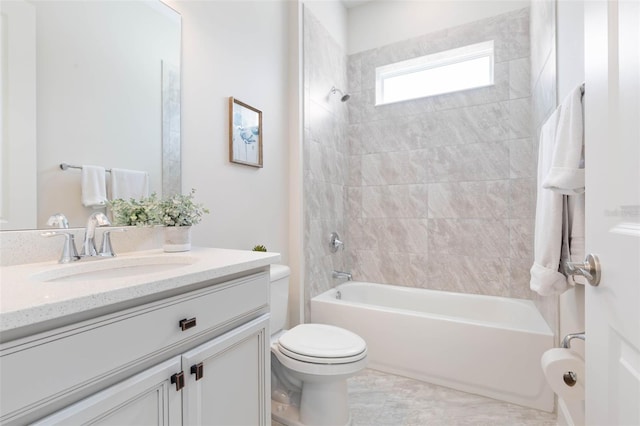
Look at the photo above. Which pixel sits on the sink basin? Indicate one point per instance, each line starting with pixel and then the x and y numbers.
pixel 103 269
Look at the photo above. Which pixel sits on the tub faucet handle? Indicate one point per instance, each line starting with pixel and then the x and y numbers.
pixel 334 242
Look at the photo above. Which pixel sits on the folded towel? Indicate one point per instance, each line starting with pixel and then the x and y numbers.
pixel 566 174
pixel 127 184
pixel 94 188
pixel 545 276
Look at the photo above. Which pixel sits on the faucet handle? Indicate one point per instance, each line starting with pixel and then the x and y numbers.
pixel 69 251
pixel 106 250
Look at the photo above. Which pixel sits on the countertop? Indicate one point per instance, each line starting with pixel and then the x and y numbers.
pixel 26 300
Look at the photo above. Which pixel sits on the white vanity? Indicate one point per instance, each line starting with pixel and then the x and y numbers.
pixel 144 338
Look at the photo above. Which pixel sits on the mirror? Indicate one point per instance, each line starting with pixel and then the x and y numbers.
pixel 107 93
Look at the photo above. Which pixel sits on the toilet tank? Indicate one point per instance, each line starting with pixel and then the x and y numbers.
pixel 279 277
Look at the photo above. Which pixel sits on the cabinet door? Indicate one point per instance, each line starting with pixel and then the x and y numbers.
pixel 234 378
pixel 148 398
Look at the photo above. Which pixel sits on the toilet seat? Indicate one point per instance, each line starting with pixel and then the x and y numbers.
pixel 322 344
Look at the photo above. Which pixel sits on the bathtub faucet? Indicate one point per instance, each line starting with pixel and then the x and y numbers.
pixel 340 274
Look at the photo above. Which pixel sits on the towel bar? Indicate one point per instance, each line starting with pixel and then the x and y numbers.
pixel 65 166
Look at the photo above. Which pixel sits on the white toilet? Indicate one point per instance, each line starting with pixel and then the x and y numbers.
pixel 310 365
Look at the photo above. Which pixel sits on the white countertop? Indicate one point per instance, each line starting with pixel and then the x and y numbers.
pixel 26 299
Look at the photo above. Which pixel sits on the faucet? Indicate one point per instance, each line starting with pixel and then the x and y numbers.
pixel 340 274
pixel 89 243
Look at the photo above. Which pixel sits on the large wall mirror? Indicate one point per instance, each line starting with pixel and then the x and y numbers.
pixel 105 81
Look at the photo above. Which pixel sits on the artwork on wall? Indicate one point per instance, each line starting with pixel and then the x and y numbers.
pixel 245 134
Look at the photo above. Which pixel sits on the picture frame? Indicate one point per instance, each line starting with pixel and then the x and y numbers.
pixel 245 134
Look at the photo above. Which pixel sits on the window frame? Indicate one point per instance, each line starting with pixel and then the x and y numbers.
pixel 432 61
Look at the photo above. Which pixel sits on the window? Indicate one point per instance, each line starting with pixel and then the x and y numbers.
pixel 453 70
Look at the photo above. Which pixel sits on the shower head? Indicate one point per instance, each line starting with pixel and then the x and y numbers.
pixel 345 96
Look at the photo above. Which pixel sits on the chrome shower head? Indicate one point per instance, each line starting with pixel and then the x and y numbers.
pixel 345 96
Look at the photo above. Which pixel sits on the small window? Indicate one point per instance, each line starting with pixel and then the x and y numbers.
pixel 453 70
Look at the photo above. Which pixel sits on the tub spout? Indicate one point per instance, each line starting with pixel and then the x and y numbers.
pixel 340 274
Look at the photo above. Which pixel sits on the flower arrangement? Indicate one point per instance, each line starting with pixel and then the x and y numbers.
pixel 134 212
pixel 177 210
pixel 180 210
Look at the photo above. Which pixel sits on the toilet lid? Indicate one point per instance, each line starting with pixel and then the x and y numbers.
pixel 322 341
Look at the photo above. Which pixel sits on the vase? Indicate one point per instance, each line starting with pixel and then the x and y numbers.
pixel 177 238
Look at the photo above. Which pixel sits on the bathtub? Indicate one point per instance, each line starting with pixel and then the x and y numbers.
pixel 485 345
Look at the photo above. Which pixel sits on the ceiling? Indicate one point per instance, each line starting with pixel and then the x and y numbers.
pixel 353 3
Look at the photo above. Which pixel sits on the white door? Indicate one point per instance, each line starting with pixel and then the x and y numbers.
pixel 146 399
pixel 612 120
pixel 227 380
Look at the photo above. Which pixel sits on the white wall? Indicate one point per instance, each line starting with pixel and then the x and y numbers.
pixel 333 16
pixel 235 49
pixel 383 22
pixel 570 46
pixel 570 73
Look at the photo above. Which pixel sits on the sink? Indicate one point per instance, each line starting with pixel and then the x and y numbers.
pixel 103 269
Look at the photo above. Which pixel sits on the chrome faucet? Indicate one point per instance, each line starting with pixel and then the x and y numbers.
pixel 89 244
pixel 340 274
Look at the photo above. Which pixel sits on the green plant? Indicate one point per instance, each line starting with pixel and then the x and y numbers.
pixel 134 212
pixel 181 210
pixel 259 247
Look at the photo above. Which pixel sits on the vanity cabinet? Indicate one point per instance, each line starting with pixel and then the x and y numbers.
pixel 195 358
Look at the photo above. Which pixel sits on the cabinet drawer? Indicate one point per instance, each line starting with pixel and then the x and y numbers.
pixel 74 358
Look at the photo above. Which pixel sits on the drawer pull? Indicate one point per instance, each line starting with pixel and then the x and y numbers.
pixel 178 379
pixel 186 324
pixel 198 370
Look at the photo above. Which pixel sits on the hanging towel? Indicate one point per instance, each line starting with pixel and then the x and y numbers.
pixel 576 233
pixel 127 184
pixel 566 174
pixel 560 220
pixel 94 188
pixel 545 276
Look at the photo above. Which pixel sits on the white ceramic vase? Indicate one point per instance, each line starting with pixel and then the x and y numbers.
pixel 177 238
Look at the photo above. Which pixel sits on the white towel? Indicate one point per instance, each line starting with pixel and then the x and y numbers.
pixel 566 174
pixel 576 234
pixel 127 184
pixel 545 277
pixel 94 188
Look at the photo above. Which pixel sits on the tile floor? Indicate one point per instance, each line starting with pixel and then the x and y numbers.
pixel 380 399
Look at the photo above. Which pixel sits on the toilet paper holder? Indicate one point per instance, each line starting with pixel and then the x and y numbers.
pixel 570 378
pixel 566 342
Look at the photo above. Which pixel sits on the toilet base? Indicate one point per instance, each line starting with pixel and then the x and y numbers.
pixel 289 415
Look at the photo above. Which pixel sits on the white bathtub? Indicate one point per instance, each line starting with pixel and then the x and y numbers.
pixel 485 345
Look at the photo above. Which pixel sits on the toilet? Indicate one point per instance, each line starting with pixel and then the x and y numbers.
pixel 310 365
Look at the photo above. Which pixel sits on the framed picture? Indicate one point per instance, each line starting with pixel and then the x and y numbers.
pixel 245 134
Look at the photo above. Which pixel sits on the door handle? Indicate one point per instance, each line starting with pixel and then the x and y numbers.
pixel 590 269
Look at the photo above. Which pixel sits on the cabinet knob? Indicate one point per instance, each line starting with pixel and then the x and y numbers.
pixel 186 324
pixel 178 379
pixel 198 370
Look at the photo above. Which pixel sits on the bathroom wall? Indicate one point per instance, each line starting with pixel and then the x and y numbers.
pixel 405 19
pixel 325 155
pixel 440 191
pixel 544 94
pixel 237 49
pixel 570 73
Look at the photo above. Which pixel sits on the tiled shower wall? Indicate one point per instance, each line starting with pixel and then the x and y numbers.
pixel 441 191
pixel 325 156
